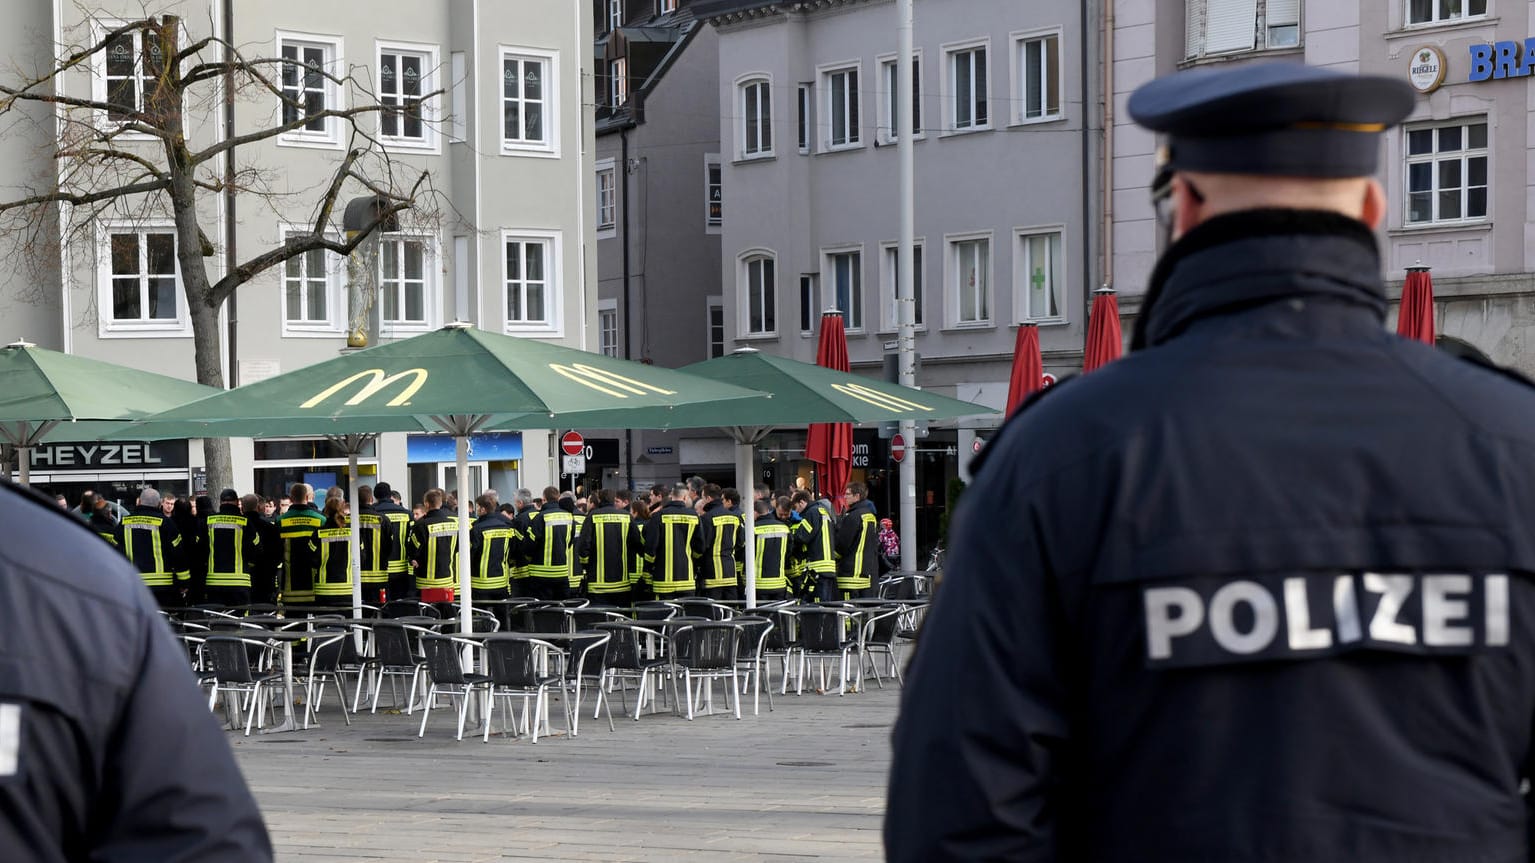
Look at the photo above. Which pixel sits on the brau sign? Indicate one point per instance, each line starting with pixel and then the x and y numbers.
pixel 1497 60
pixel 81 456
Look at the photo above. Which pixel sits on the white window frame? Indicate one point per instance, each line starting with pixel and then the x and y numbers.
pixel 667 6
pixel 887 95
pixel 1020 71
pixel 618 82
pixel 549 146
pixel 335 300
pixel 854 318
pixel 951 286
pixel 1246 25
pixel 431 106
pixel 431 287
pixel 99 89
pixel 1436 157
pixel 809 310
pixel 804 116
pixel 889 311
pixel 607 214
pixel 1436 20
pixel 745 288
pixel 713 224
pixel 607 311
pixel 764 149
pixel 335 95
pixel 712 306
pixel 951 52
pixel 1021 278
pixel 615 14
pixel 853 112
pixel 554 298
pixel 109 327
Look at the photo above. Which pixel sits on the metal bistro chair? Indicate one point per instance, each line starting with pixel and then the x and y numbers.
pixel 823 635
pixel 585 657
pixel 706 651
pixel 393 657
pixel 520 665
pixel 548 619
pixel 750 658
pixel 588 618
pixel 783 644
pixel 325 665
pixel 232 674
pixel 707 608
pixel 446 676
pixel 625 658
pixel 880 639
pixel 656 610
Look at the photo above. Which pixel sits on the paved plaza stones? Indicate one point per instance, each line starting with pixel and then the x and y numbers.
pixel 804 782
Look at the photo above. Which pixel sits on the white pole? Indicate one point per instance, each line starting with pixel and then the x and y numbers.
pixel 353 444
pixel 746 484
pixel 24 463
pixel 906 340
pixel 466 601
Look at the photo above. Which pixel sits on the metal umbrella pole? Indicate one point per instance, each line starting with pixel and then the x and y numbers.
pixel 747 438
pixel 353 445
pixel 24 436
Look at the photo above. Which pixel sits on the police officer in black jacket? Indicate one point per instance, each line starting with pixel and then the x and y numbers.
pixel 1263 589
pixel 121 763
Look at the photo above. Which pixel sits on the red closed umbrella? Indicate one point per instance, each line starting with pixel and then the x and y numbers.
pixel 1415 318
pixel 1104 341
pixel 1028 369
pixel 830 445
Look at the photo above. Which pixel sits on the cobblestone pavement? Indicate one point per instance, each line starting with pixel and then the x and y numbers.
pixel 803 782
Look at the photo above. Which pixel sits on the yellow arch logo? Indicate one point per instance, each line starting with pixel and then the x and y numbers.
pixel 884 401
pixel 378 381
pixel 608 383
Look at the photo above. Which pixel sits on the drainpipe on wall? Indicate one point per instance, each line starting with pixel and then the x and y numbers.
pixel 1108 152
pixel 623 171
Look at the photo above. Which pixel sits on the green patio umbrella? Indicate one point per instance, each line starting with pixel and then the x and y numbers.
pixel 456 379
pixel 802 393
pixel 47 394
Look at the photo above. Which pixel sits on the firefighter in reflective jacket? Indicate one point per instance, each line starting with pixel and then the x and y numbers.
pixel 857 545
pixel 401 585
pixel 153 543
pixel 721 532
pixel 673 545
pixel 296 527
pixel 546 543
pixel 815 530
pixel 377 534
pixel 522 509
pixel 577 524
pixel 606 548
pixel 434 550
pixel 233 546
pixel 330 549
pixel 772 538
pixel 491 539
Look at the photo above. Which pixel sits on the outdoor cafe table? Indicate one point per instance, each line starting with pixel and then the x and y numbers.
pixel 287 638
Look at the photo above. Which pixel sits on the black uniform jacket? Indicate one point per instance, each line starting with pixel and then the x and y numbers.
pixel 1261 591
pixel 107 749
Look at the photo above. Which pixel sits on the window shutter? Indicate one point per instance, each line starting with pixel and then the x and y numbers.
pixel 1281 13
pixel 1194 27
pixel 1230 25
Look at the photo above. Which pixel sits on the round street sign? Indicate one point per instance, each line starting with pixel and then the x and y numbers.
pixel 571 443
pixel 897 448
pixel 1046 381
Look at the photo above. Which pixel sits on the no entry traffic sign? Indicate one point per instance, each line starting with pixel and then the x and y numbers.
pixel 897 448
pixel 571 443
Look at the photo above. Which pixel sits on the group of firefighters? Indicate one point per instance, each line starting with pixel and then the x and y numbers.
pixel 614 547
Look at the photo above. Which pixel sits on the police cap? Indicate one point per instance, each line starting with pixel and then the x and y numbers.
pixel 1276 119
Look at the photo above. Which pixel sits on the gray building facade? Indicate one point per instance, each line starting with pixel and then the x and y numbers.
pixel 1456 174
pixel 1006 201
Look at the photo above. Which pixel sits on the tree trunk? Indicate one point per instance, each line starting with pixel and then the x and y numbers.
pixel 206 357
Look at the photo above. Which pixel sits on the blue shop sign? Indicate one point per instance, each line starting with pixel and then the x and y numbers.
pixel 489 446
pixel 1491 61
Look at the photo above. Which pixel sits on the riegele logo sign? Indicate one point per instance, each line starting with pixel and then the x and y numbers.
pixel 1426 69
